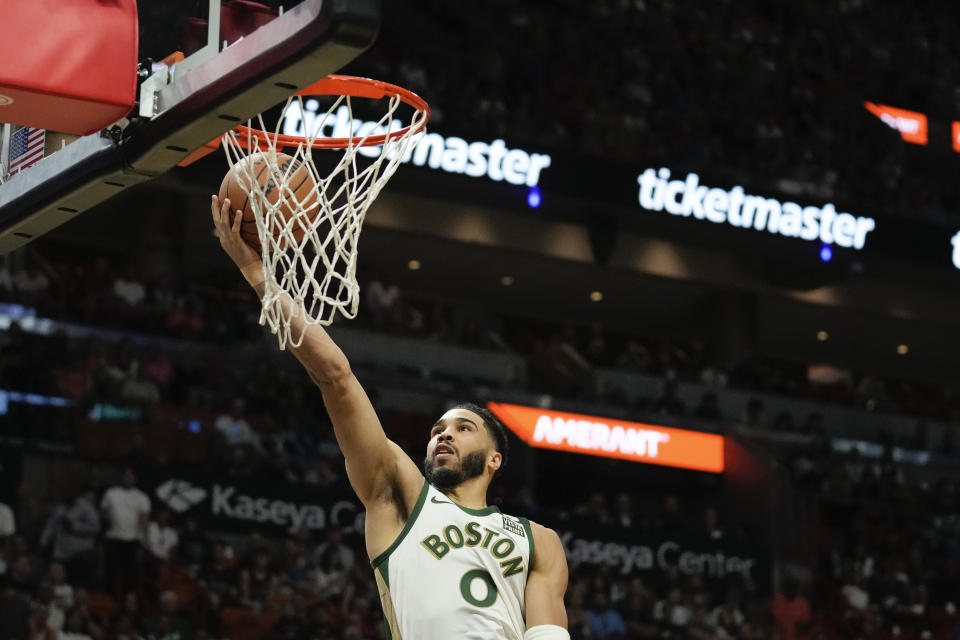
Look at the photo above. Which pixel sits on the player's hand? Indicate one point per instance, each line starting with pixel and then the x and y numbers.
pixel 227 229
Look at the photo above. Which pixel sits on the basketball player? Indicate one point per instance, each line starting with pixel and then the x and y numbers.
pixel 448 565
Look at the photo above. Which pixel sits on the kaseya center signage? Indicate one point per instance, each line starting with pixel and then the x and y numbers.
pixel 686 197
pixel 627 552
pixel 241 504
pixel 595 436
pixel 450 154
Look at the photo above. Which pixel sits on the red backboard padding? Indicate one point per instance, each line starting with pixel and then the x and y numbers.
pixel 68 65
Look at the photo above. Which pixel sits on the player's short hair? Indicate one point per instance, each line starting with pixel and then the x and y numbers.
pixel 494 427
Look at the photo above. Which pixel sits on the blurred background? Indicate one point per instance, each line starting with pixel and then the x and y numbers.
pixel 131 354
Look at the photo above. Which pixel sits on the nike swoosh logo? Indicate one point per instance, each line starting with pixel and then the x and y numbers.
pixel 434 500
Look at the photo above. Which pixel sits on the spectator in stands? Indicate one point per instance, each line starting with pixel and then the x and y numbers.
pixel 754 416
pixel 257 582
pixel 15 609
pixel 523 502
pixel 8 524
pixel 72 530
pixel 669 403
pixel 126 510
pixel 385 304
pixel 671 519
pixel 595 510
pixel 790 609
pixel 6 278
pixel 31 282
pixel 322 474
pixel 636 357
pixel 241 463
pixel 709 408
pixel 577 620
pixel 221 575
pixel 234 428
pixel 603 620
pixel 329 572
pixel 22 577
pixel 623 513
pixel 80 624
pixel 167 622
pixel 334 541
pixel 129 290
pixel 195 547
pixel 638 611
pixel 673 611
pixel 137 388
pixel 162 539
pixel 711 524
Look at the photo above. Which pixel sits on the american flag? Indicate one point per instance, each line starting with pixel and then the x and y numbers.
pixel 26 147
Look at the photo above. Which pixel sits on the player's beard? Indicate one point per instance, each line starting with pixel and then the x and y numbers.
pixel 443 478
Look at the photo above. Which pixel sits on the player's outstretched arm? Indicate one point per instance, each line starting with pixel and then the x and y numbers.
pixel 546 616
pixel 375 465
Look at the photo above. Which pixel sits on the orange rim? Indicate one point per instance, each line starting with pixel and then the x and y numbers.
pixel 345 86
pixel 331 85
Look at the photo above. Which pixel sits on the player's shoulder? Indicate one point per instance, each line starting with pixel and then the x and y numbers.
pixel 539 530
pixel 546 542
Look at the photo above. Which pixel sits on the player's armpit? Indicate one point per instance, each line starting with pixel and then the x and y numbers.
pixel 547 581
pixel 375 466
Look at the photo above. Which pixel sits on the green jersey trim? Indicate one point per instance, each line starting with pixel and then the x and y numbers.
pixel 406 527
pixel 474 512
pixel 384 570
pixel 526 527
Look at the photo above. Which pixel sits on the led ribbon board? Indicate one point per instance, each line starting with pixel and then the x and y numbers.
pixel 912 125
pixel 687 197
pixel 591 435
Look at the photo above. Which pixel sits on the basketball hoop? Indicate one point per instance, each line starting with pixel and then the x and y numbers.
pixel 309 245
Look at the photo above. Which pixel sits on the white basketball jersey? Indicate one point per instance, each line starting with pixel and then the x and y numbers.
pixel 455 573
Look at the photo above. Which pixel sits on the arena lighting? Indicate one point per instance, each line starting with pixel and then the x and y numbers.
pixel 533 197
pixel 413 265
pixel 955 135
pixel 6 397
pixel 608 438
pixel 826 253
pixel 912 125
pixel 955 241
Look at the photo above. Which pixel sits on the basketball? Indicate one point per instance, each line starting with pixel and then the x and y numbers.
pixel 287 188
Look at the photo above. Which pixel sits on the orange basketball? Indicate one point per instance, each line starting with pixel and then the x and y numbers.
pixel 292 190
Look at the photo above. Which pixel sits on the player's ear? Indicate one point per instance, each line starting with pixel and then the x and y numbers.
pixel 495 459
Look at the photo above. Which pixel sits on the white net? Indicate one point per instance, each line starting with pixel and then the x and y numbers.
pixel 308 220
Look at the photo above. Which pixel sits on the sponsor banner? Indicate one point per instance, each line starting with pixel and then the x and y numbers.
pixel 450 154
pixel 274 508
pixel 650 555
pixel 604 437
pixel 912 125
pixel 686 197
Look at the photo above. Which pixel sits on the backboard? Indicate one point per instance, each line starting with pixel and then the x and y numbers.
pixel 184 106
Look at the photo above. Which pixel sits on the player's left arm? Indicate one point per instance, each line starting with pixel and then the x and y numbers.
pixel 546 616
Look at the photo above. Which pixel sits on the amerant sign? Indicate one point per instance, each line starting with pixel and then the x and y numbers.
pixel 592 435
